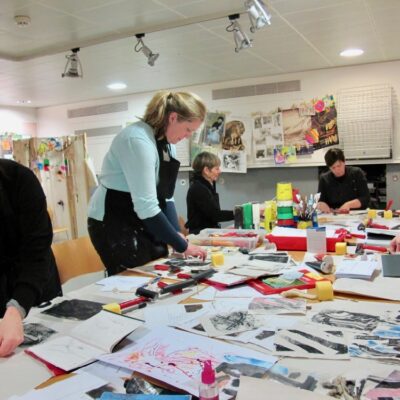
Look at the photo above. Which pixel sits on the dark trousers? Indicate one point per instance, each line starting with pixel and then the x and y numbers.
pixel 121 244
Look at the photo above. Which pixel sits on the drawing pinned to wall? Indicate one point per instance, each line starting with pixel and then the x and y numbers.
pixel 285 154
pixel 233 161
pixel 302 150
pixel 323 124
pixel 214 125
pixel 237 134
pixel 295 127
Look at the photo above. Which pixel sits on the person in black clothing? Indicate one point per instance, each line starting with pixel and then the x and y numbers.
pixel 343 187
pixel 28 272
pixel 202 200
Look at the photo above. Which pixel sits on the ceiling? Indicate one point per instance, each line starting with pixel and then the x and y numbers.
pixel 191 38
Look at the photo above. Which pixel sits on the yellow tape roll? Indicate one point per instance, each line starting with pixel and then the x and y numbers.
pixel 217 259
pixel 284 191
pixel 340 248
pixel 388 214
pixel 324 290
pixel 371 213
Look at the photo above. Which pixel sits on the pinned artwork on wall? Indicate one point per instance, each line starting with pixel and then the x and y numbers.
pixel 324 131
pixel 238 135
pixel 213 129
pixel 285 154
pixel 295 127
pixel 233 161
pixel 267 133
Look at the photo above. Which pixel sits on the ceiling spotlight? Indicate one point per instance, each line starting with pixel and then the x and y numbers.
pixel 258 14
pixel 242 41
pixel 73 67
pixel 140 46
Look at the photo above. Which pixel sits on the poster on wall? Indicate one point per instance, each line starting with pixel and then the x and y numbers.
pixel 267 133
pixel 324 131
pixel 213 129
pixel 295 127
pixel 233 161
pixel 285 154
pixel 238 134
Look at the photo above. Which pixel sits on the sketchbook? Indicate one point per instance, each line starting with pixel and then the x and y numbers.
pixel 88 340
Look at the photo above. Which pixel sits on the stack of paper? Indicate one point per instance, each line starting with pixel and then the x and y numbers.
pixel 356 268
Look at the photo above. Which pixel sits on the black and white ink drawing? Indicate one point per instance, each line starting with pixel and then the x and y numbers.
pixel 75 309
pixel 35 333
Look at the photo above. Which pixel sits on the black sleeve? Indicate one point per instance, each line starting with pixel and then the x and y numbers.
pixel 323 190
pixel 207 206
pixel 170 212
pixel 362 188
pixel 33 261
pixel 162 230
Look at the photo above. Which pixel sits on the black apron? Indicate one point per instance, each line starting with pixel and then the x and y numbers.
pixel 121 238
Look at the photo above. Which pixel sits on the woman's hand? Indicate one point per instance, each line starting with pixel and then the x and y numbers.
pixel 323 207
pixel 11 331
pixel 394 246
pixel 195 251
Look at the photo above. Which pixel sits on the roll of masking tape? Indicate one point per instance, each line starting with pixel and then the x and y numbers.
pixel 371 213
pixel 388 214
pixel 324 290
pixel 217 259
pixel 284 191
pixel 340 248
pixel 304 224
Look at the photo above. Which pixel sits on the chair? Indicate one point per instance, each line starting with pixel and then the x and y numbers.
pixel 57 230
pixel 182 226
pixel 78 263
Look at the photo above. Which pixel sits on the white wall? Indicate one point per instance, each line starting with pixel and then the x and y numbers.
pixel 53 121
pixel 21 120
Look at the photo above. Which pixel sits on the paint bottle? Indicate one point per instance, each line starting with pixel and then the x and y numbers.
pixel 208 389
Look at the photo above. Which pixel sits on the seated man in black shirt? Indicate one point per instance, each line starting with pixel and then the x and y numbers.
pixel 28 272
pixel 343 187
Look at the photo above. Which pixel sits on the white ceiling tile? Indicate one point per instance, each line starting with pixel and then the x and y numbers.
pixel 304 35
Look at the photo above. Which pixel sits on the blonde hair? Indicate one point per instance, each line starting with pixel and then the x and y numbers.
pixel 205 159
pixel 188 106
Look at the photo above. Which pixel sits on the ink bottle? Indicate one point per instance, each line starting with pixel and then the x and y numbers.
pixel 208 389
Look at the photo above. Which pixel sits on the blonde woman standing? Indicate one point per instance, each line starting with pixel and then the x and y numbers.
pixel 132 216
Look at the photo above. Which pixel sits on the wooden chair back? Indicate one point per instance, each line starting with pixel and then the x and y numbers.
pixel 182 226
pixel 76 257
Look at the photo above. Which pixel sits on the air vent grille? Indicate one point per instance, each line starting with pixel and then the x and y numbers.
pixel 256 90
pixel 97 110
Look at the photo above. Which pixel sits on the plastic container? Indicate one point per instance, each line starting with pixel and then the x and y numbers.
pixel 208 389
pixel 243 238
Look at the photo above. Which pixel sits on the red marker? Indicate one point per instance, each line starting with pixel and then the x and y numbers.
pixel 389 204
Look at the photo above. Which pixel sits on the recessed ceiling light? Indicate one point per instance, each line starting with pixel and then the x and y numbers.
pixel 24 101
pixel 351 52
pixel 117 86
